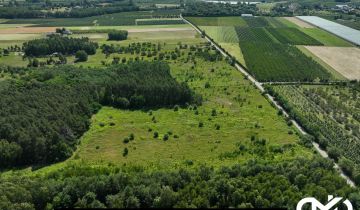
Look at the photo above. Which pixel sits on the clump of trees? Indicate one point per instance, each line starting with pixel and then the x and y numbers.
pixel 59 44
pixel 117 35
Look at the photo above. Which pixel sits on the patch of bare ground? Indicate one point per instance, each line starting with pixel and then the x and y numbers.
pixel 345 60
pixel 299 22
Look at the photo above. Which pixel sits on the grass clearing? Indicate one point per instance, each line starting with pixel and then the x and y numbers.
pixel 236 103
pixel 234 50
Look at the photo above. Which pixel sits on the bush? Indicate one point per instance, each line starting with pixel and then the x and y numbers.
pixel 166 137
pixel 125 152
pixel 117 35
pixel 156 134
pixel 201 124
pixel 334 153
pixel 81 56
pixel 126 140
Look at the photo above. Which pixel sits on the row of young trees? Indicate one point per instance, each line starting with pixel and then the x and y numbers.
pixel 59 44
pixel 45 112
pixel 252 184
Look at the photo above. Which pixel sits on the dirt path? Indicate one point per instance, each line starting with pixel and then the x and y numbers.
pixel 299 22
pixel 27 30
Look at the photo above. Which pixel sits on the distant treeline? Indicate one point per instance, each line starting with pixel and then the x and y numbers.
pixel 44 113
pixel 59 44
pixel 252 184
pixel 213 9
pixel 26 12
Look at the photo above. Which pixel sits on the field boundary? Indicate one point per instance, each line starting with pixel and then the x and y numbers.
pixel 272 101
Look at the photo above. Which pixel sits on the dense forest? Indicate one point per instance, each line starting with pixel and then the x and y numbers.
pixel 59 44
pixel 47 110
pixel 249 185
pixel 212 9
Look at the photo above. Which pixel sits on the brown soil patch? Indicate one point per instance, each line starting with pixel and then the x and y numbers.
pixel 299 22
pixel 27 30
pixel 345 60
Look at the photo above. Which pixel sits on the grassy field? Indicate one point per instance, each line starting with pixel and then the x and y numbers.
pixel 234 50
pixel 226 34
pixel 241 112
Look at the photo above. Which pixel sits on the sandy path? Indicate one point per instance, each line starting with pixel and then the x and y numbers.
pixel 299 22
pixel 345 60
pixel 27 30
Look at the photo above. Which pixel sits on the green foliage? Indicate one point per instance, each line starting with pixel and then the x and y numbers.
pixel 234 186
pixel 81 56
pixel 117 35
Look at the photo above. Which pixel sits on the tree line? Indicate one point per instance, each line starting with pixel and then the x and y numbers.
pixel 250 185
pixel 199 8
pixel 12 12
pixel 46 111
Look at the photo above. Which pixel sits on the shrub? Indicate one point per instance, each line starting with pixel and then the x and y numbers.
pixel 126 140
pixel 166 137
pixel 117 35
pixel 125 152
pixel 81 56
pixel 156 134
pixel 201 124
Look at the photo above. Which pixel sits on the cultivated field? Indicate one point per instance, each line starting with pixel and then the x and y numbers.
pixel 345 60
pixel 330 113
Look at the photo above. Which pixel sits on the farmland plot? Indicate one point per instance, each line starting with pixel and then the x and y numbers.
pixel 292 36
pixel 224 34
pixel 278 62
pixel 345 60
pixel 330 113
